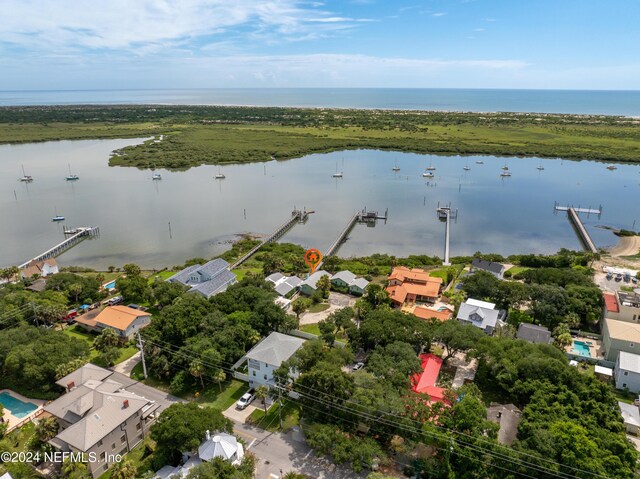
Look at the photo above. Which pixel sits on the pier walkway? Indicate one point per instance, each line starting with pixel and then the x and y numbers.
pixel 586 240
pixel 297 216
pixel 77 235
pixel 364 216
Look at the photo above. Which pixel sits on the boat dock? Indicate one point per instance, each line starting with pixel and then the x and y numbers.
pixel 578 226
pixel 367 217
pixel 297 216
pixel 75 236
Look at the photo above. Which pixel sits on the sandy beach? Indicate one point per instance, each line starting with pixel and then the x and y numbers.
pixel 627 246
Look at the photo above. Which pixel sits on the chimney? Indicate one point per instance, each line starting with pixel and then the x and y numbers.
pixel 125 403
pixel 71 385
pixel 208 435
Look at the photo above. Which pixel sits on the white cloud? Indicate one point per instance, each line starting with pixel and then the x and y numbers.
pixel 42 25
pixel 438 14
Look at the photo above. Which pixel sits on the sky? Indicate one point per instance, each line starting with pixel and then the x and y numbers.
pixel 140 44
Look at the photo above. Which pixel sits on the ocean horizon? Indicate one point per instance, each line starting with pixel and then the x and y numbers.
pixel 585 102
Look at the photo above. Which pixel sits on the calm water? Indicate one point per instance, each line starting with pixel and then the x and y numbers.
pixel 133 212
pixel 549 101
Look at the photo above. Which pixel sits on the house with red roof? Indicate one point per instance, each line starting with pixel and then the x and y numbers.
pixel 413 286
pixel 425 382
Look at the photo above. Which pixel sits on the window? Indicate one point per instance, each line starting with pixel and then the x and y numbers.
pixel 265 377
pixel 624 385
pixel 99 443
pixel 123 439
pixel 254 373
pixel 631 345
pixel 113 446
pixel 103 456
pixel 138 427
pixel 626 373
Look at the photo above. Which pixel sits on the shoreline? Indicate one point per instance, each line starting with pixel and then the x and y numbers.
pixel 627 246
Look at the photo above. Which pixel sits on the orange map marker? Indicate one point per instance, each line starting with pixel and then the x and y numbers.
pixel 313 258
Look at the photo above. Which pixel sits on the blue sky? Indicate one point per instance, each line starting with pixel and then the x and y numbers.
pixel 564 44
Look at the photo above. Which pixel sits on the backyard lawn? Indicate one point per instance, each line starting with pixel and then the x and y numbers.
pixel 517 269
pixel 212 397
pixel 242 272
pixel 311 329
pixel 317 308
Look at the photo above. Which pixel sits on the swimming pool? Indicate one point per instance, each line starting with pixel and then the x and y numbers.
pixel 18 408
pixel 110 285
pixel 581 348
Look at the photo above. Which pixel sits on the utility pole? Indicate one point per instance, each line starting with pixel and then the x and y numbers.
pixel 280 406
pixel 144 364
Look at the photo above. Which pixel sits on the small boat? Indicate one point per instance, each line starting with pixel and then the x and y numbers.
pixel 505 167
pixel 337 174
pixel 219 175
pixel 26 178
pixel 540 167
pixel 57 218
pixel 612 167
pixel 396 167
pixel 505 174
pixel 466 168
pixel 71 177
pixel 479 162
pixel 428 174
pixel 431 167
pixel 156 176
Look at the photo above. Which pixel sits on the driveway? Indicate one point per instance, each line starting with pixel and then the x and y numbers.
pixel 277 453
pixel 125 367
pixel 337 301
pixel 239 415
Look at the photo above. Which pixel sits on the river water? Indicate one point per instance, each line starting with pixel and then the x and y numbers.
pixel 133 212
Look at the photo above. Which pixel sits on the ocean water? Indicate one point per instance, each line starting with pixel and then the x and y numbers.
pixel 475 100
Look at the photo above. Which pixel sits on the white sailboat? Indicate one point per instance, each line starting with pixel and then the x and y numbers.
pixel 156 176
pixel 431 167
pixel 57 217
pixel 337 174
pixel 428 174
pixel 466 168
pixel 26 178
pixel 540 167
pixel 219 175
pixel 71 176
pixel 505 174
pixel 396 167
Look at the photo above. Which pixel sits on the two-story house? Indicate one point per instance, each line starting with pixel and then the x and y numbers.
pixel 627 371
pixel 125 321
pixel 99 417
pixel 413 286
pixel 268 355
pixel 207 279
pixel 481 314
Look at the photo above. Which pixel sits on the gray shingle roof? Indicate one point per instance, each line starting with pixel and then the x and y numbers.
pixel 360 283
pixel 84 374
pixel 210 269
pixel 219 283
pixel 491 266
pixel 346 276
pixel 630 413
pixel 313 279
pixel 534 333
pixel 275 349
pixel 478 316
pixel 275 277
pixel 284 288
pixel 183 276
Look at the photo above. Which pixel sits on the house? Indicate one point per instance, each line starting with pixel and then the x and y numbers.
pixel 99 416
pixel 309 285
pixel 285 286
pixel 39 268
pixel 423 312
pixel 631 417
pixel 222 445
pixel 622 306
pixel 481 314
pixel 627 371
pixel 508 416
pixel 413 286
pixel 123 320
pixel 619 336
pixel 207 279
pixel 534 333
pixel 492 267
pixel 347 280
pixel 38 286
pixel 268 355
pixel 425 382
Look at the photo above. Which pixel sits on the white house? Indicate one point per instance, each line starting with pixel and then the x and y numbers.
pixel 207 279
pixel 481 314
pixel 39 268
pixel 268 355
pixel 627 371
pixel 631 417
pixel 346 279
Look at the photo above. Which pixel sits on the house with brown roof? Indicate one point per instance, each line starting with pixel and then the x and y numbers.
pixel 39 268
pixel 413 286
pixel 123 320
pixel 622 306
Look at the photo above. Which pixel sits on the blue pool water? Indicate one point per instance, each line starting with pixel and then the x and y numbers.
pixel 581 348
pixel 110 285
pixel 18 408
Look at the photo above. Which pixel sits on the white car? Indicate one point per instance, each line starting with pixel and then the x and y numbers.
pixel 246 399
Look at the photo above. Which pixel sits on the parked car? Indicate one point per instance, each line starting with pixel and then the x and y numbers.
pixel 609 276
pixel 634 280
pixel 115 300
pixel 70 315
pixel 357 366
pixel 94 306
pixel 627 277
pixel 246 399
pixel 133 306
pixel 618 277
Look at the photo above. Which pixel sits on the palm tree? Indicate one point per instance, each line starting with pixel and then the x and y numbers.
pixel 124 470
pixel 219 377
pixel 75 290
pixel 108 339
pixel 262 393
pixel 197 369
pixel 46 428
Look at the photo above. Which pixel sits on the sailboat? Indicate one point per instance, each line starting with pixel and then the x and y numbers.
pixel 156 176
pixel 610 167
pixel 219 175
pixel 505 173
pixel 70 176
pixel 396 167
pixel 57 217
pixel 479 162
pixel 428 174
pixel 505 167
pixel 431 167
pixel 540 167
pixel 466 168
pixel 337 174
pixel 26 178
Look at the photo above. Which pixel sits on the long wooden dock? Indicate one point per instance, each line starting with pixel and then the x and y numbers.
pixel 297 216
pixel 77 235
pixel 364 216
pixel 585 239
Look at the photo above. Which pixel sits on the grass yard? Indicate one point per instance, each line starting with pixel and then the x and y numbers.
pixel 311 329
pixel 77 333
pixel 212 397
pixel 517 269
pixel 271 422
pixel 16 440
pixel 317 308
pixel 140 457
pixel 163 275
pixel 242 272
pixel 138 374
